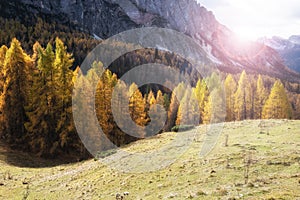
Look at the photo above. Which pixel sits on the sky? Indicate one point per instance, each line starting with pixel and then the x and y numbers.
pixel 251 19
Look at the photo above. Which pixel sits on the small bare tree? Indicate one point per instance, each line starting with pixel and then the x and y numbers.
pixel 247 164
pixel 26 193
pixel 226 140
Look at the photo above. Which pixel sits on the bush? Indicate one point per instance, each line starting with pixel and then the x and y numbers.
pixel 181 128
pixel 103 154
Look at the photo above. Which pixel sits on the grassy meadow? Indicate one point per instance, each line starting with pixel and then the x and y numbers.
pixel 251 160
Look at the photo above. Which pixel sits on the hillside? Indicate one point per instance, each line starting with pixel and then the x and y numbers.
pixel 270 147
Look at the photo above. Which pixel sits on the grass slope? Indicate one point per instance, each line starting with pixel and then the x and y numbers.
pixel 271 148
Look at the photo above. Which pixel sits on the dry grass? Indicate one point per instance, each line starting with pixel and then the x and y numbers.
pixel 273 168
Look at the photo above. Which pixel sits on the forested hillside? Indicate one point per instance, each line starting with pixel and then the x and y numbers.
pixel 36 100
pixel 38 30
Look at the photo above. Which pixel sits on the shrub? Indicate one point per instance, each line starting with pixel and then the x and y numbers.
pixel 103 154
pixel 181 128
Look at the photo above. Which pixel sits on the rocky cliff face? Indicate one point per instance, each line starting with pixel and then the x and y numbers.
pixel 100 17
pixel 105 18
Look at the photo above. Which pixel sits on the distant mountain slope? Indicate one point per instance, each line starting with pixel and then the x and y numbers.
pixel 289 49
pixel 104 18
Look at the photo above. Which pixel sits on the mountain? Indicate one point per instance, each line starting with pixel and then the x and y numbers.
pixel 289 49
pixel 104 18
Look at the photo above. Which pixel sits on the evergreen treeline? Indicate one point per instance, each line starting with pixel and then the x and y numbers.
pixel 36 101
pixel 39 30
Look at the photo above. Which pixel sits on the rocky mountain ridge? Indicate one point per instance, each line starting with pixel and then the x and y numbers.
pixel 105 18
pixel 289 49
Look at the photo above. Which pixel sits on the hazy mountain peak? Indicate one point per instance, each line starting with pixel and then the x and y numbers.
pixel 295 39
pixel 289 49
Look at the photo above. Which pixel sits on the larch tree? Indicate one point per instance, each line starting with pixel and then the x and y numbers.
pixel 230 88
pixel 214 108
pixel 160 98
pixel 137 108
pixel 64 86
pixel 183 109
pixel 103 98
pixel 213 103
pixel 154 113
pixel 158 111
pixel 86 124
pixel 188 111
pixel 3 51
pixel 243 97
pixel 151 98
pixel 201 93
pixel 260 98
pixel 14 96
pixel 166 101
pixel 41 125
pixel 121 116
pixel 277 106
pixel 87 87
pixel 177 95
pixel 207 111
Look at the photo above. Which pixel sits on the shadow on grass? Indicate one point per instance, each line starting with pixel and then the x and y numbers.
pixel 26 160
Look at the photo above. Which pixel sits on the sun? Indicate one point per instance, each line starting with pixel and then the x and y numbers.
pixel 246 34
pixel 250 20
